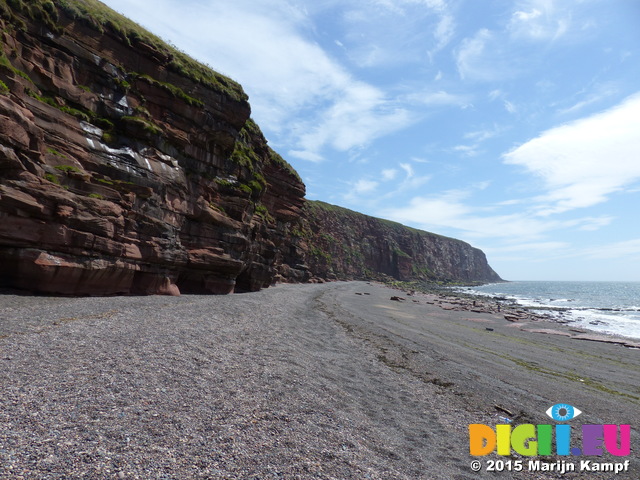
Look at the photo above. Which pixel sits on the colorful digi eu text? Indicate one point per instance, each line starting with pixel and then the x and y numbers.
pixel 546 440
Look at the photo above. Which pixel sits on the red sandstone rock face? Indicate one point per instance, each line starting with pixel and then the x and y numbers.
pixel 121 176
pixel 120 173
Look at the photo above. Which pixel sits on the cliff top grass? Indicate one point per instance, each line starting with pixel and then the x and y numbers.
pixel 278 160
pixel 244 155
pixel 101 18
pixel 319 205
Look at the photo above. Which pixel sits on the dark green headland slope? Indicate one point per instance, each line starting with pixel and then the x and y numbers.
pixel 128 167
pixel 348 244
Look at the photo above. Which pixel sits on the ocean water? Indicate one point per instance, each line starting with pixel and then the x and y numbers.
pixel 605 307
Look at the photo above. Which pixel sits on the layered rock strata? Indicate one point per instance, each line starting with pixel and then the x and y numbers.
pixel 128 170
pixel 127 167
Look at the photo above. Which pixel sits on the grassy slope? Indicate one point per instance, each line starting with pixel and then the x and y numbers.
pixel 345 212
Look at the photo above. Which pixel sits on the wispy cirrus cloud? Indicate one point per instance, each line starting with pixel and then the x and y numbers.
pixel 272 48
pixel 456 211
pixel 539 20
pixel 622 249
pixel 509 49
pixel 488 57
pixel 436 98
pixel 359 114
pixel 528 247
pixel 471 57
pixel 412 179
pixel 590 96
pixel 388 184
pixel 448 212
pixel 482 135
pixel 383 33
pixel 476 138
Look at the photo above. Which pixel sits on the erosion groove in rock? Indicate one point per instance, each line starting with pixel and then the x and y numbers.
pixel 127 167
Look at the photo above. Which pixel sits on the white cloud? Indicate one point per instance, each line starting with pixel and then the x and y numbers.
pixel 359 114
pixel 579 105
pixel 509 107
pixel 428 212
pixel 527 16
pixel 384 33
pixel 306 155
pixel 493 94
pixel 411 180
pixel 487 57
pixel 470 54
pixel 431 97
pixel 299 93
pixel 623 249
pixel 408 169
pixel 591 224
pixel 513 201
pixel 359 188
pixel 583 162
pixel 467 150
pixel 512 47
pixel 364 186
pixel 482 185
pixel 600 92
pixel 444 32
pixel 389 174
pixel 482 135
pixel 447 211
pixel 444 98
pixel 419 160
pixel 529 247
pixel 539 20
pixel 454 211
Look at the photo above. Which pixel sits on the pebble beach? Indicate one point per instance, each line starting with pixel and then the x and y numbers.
pixel 329 381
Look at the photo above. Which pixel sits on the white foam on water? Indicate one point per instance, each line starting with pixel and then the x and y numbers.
pixel 624 323
pixel 603 307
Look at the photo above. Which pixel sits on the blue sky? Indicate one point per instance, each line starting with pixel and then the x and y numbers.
pixel 512 125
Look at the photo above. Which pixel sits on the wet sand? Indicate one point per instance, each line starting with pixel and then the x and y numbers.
pixel 298 381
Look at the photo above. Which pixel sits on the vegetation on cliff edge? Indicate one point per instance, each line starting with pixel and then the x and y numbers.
pixel 101 18
pixel 316 205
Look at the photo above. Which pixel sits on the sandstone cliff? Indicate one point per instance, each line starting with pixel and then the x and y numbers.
pixel 127 167
pixel 346 244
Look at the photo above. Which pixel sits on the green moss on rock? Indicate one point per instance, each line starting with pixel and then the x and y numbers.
pixel 101 18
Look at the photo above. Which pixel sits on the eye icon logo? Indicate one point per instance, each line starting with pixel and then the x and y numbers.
pixel 563 412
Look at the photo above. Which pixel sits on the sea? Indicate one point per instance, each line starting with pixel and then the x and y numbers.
pixel 604 307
